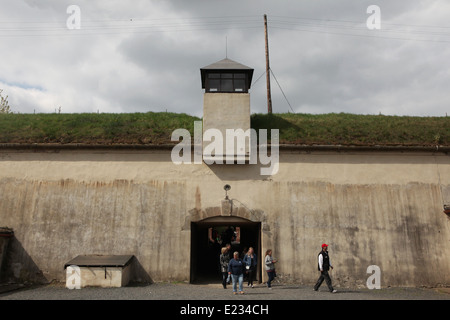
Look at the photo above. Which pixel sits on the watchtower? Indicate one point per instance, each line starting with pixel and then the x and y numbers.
pixel 226 103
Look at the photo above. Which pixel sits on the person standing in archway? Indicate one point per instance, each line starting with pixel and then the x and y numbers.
pixel 228 253
pixel 323 266
pixel 250 265
pixel 224 261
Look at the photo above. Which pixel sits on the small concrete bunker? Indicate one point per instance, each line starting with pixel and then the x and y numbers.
pixel 98 271
pixel 5 235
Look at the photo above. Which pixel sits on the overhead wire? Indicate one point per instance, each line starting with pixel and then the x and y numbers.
pixel 359 29
pixel 101 27
pixel 270 70
pixel 205 23
pixel 259 78
pixel 361 35
pixel 359 22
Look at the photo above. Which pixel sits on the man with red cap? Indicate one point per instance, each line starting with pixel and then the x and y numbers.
pixel 324 265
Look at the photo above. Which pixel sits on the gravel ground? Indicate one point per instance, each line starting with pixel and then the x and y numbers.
pixel 183 291
pixel 181 300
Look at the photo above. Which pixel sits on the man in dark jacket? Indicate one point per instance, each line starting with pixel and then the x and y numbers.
pixel 323 266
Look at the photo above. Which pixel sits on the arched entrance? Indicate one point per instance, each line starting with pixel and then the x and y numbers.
pixel 209 235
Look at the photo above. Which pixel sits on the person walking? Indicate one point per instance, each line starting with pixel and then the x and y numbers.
pixel 250 265
pixel 236 270
pixel 224 260
pixel 228 252
pixel 269 263
pixel 324 266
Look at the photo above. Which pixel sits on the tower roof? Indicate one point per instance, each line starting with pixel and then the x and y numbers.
pixel 224 66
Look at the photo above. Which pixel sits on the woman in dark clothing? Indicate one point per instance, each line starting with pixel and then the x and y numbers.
pixel 224 261
pixel 250 265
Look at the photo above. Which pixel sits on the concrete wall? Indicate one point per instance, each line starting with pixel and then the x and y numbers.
pixel 224 111
pixel 373 208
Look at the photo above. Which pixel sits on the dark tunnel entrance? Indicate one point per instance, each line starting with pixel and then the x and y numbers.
pixel 208 236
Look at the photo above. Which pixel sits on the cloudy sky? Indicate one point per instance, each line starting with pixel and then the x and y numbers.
pixel 143 55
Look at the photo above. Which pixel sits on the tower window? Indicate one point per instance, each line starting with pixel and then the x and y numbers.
pixel 226 82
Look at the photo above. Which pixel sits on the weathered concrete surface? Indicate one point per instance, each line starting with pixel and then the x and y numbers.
pixel 105 277
pixel 224 111
pixel 382 209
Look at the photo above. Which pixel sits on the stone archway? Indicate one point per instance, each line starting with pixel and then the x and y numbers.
pixel 203 256
pixel 228 208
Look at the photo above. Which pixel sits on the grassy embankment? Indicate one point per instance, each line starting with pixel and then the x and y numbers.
pixel 156 128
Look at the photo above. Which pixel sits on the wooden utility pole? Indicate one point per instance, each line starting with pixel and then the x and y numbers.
pixel 269 97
